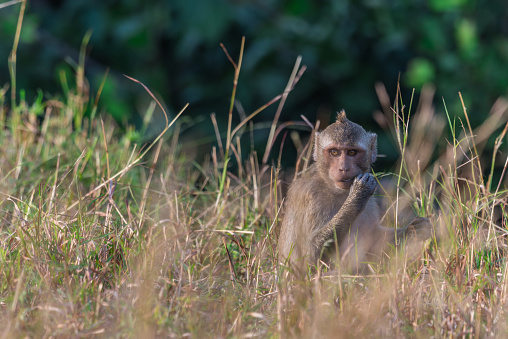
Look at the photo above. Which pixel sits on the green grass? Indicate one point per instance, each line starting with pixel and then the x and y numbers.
pixel 169 247
pixel 103 237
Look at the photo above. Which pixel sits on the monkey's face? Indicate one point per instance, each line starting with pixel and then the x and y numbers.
pixel 343 163
pixel 343 151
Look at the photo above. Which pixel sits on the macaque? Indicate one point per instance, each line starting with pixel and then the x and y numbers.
pixel 332 205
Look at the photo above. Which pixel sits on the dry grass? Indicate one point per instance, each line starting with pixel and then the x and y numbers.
pixel 101 238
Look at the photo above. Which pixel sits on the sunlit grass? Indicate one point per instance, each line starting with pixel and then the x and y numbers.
pixel 101 236
pixel 172 247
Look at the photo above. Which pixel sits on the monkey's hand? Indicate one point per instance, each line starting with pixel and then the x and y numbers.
pixel 363 187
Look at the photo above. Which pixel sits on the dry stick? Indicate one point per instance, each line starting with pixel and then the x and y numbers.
pixel 240 177
pixel 44 130
pixel 240 167
pixel 53 193
pixel 239 243
pixel 470 130
pixel 19 161
pixel 307 121
pixel 289 123
pixel 475 153
pixel 279 108
pixel 9 3
pixel 174 144
pixel 80 73
pixel 215 161
pixel 402 145
pixel 262 108
pixel 384 100
pixel 131 164
pixel 53 189
pixel 235 84
pixel 277 132
pixel 280 149
pixel 310 149
pixel 19 285
pixel 504 168
pixel 231 265
pixel 499 141
pixel 145 193
pixel 101 87
pixel 230 117
pixel 217 134
pixel 117 210
pixel 111 191
pixel 491 123
pixel 297 167
pixel 395 115
pixel 255 190
pixel 13 55
pixel 112 184
pixel 106 147
pixel 158 103
pixel 236 153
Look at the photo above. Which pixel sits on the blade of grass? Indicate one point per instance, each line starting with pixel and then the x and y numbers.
pixel 14 52
pixel 141 156
pixel 279 108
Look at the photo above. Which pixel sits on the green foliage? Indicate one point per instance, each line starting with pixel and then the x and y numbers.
pixel 348 46
pixel 420 72
pixel 447 5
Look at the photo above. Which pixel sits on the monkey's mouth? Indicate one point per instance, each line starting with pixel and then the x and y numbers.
pixel 344 183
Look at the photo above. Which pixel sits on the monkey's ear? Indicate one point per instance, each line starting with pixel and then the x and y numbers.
pixel 373 147
pixel 316 146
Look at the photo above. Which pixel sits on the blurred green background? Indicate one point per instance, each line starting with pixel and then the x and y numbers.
pixel 348 46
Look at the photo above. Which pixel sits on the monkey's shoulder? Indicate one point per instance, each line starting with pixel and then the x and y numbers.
pixel 309 186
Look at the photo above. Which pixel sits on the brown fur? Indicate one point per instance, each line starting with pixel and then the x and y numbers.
pixel 334 200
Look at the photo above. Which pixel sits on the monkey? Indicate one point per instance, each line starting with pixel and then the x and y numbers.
pixel 332 205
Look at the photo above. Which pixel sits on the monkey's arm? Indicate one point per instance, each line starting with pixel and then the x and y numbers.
pixel 362 189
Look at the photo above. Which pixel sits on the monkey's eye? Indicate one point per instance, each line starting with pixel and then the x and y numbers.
pixel 334 152
pixel 352 152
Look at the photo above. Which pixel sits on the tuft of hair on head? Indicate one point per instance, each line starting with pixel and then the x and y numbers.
pixel 341 117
